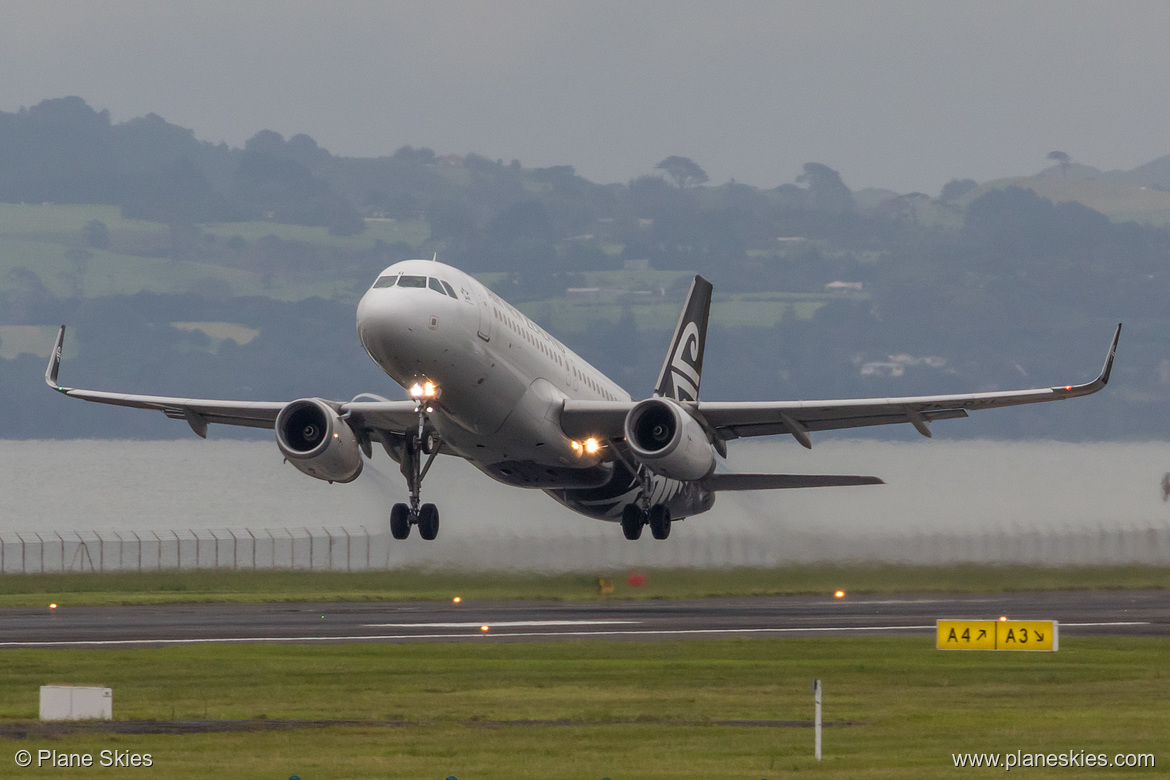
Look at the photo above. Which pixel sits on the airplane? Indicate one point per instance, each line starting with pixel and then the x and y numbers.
pixel 489 385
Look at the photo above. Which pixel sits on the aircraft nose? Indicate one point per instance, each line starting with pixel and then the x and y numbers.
pixel 402 327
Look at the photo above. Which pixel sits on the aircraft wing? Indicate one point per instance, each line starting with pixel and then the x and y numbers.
pixel 733 420
pixel 720 482
pixel 363 416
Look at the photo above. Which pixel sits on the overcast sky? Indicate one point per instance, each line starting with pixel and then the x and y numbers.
pixel 904 94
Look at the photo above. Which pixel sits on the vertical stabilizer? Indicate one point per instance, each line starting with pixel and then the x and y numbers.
pixel 683 366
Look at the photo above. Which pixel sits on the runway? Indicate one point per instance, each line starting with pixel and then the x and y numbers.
pixel 1135 613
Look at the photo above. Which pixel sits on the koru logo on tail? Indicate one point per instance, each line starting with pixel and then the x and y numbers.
pixel 684 364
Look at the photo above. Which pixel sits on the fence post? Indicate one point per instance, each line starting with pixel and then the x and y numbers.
pixel 310 535
pixel 61 539
pixel 817 717
pixel 292 549
pixel 139 540
pixel 101 552
pixel 367 533
pixel 178 549
pixel 216 538
pixel 41 542
pixel 272 539
pixel 235 550
pixel 159 542
pixel 249 530
pixel 121 548
pixel 347 559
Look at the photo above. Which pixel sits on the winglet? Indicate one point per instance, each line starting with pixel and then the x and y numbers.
pixel 1104 379
pixel 1070 391
pixel 55 362
pixel 683 367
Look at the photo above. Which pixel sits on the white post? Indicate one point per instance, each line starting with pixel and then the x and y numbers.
pixel 817 716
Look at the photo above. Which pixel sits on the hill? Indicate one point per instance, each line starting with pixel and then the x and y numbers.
pixel 196 269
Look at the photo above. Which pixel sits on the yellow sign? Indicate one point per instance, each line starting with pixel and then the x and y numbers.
pixel 605 586
pixel 966 634
pixel 1042 635
pixel 1027 635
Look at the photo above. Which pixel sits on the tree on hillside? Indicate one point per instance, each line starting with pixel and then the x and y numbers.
pixel 826 191
pixel 957 188
pixel 684 171
pixel 95 234
pixel 1063 159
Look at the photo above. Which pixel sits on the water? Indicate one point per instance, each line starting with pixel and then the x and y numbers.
pixel 945 500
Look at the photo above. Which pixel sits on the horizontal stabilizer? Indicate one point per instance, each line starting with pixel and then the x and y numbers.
pixel 719 482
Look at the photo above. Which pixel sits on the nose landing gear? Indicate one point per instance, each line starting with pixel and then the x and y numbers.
pixel 425 516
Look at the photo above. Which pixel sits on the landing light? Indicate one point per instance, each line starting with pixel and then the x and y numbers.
pixel 427 389
pixel 1003 618
pixel 839 594
pixel 484 629
pixel 592 446
pixel 576 446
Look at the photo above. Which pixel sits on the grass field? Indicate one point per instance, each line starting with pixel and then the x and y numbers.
pixel 619 710
pixel 35 590
pixel 38 236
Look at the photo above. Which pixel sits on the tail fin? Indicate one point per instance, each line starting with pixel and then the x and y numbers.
pixel 683 366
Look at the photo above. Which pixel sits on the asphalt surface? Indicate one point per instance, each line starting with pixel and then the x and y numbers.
pixel 1110 612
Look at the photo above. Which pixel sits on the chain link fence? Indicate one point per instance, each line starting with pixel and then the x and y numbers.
pixel 347 549
pixel 325 549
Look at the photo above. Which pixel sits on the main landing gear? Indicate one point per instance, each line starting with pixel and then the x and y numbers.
pixel 425 516
pixel 634 517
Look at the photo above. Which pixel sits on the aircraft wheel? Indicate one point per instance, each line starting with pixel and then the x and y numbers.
pixel 659 521
pixel 632 521
pixel 427 444
pixel 428 521
pixel 400 521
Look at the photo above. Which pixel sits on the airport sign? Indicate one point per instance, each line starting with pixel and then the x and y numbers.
pixel 1037 635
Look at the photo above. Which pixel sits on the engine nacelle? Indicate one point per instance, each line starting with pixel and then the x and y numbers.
pixel 314 438
pixel 665 437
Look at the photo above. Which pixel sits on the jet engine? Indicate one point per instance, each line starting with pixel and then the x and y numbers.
pixel 314 438
pixel 668 440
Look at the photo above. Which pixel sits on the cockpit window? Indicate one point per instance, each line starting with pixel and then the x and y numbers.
pixel 450 290
pixel 433 283
pixel 386 281
pixel 412 281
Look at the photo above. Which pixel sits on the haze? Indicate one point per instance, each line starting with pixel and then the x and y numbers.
pixel 1047 502
pixel 903 95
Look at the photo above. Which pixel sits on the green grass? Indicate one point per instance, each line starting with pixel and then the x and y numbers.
pixel 47 220
pixel 413 232
pixel 36 590
pixel 37 237
pixel 619 710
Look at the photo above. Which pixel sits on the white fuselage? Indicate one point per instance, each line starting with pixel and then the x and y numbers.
pixel 502 381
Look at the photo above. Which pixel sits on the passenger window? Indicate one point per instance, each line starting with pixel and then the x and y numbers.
pixel 433 283
pixel 412 281
pixel 386 281
pixel 450 290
